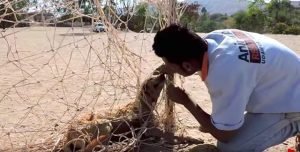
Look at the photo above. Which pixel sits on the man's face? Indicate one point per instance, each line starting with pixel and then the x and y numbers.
pixel 185 69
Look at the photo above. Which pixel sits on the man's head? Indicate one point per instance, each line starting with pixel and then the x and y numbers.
pixel 181 49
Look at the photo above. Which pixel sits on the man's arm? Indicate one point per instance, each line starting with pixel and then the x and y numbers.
pixel 205 121
pixel 178 95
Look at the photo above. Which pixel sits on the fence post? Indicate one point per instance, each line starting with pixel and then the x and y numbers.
pixel 169 105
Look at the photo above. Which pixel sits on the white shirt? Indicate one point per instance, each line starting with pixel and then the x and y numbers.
pixel 250 72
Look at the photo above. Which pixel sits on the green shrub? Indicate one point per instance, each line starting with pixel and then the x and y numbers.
pixel 66 17
pixel 279 28
pixel 293 30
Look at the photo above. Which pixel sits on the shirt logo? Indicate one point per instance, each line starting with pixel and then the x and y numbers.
pixel 249 50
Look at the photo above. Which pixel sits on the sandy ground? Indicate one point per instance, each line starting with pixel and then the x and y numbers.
pixel 49 76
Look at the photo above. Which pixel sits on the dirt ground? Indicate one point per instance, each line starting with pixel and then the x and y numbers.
pixel 49 76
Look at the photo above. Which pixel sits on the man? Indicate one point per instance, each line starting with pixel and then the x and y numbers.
pixel 253 82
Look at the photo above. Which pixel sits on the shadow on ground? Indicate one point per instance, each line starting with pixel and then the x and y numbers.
pixel 77 34
pixel 204 148
pixel 189 148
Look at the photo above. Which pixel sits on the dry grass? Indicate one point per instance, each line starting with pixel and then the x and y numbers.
pixel 51 76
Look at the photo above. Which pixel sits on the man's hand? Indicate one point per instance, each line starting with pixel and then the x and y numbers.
pixel 163 69
pixel 177 95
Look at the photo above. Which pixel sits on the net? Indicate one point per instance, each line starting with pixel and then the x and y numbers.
pixel 63 58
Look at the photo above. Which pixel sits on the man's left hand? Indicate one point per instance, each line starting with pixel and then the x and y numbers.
pixel 177 95
pixel 164 69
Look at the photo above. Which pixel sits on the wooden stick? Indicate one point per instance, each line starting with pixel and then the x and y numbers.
pixel 169 106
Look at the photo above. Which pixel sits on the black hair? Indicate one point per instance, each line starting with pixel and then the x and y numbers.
pixel 178 44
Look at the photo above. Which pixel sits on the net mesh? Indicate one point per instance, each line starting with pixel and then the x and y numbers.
pixel 54 67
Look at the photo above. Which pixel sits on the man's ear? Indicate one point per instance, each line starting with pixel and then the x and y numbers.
pixel 187 66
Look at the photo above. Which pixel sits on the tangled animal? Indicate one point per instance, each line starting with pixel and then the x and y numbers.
pixel 96 133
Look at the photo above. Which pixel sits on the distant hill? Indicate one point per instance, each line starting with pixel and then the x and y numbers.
pixel 228 7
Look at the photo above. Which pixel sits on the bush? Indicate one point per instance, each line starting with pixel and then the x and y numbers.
pixel 207 26
pixel 12 21
pixel 66 17
pixel 293 30
pixel 279 28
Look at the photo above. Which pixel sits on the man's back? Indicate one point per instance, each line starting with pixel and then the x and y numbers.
pixel 243 71
pixel 248 71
